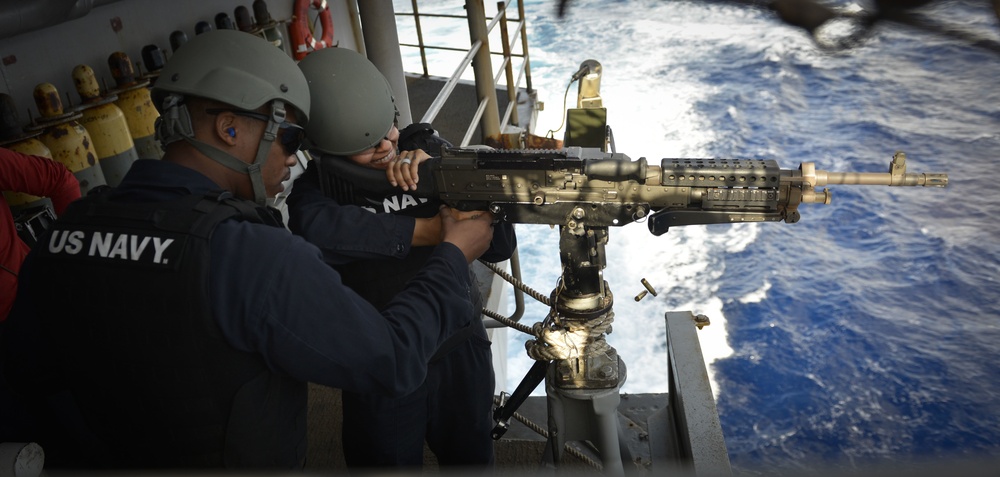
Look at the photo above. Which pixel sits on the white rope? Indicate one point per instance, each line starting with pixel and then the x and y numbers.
pixel 569 341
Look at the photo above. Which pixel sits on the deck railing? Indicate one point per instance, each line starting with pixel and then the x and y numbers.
pixel 479 55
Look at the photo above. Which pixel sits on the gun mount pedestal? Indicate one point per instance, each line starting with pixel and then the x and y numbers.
pixel 584 415
pixel 582 386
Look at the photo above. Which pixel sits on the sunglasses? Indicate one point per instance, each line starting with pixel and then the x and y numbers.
pixel 290 135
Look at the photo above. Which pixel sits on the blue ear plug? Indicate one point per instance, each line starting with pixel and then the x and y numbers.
pixel 232 132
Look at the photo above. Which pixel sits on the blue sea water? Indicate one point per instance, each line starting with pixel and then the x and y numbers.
pixel 867 334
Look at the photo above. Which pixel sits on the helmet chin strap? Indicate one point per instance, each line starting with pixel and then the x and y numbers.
pixel 253 170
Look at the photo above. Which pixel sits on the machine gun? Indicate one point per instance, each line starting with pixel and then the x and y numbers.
pixel 585 186
pixel 585 191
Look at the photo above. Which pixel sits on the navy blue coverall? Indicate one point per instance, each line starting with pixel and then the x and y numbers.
pixel 452 410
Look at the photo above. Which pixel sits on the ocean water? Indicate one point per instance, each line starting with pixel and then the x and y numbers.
pixel 867 334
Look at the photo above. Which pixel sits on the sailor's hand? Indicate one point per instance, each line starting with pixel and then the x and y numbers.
pixel 427 231
pixel 403 172
pixel 471 231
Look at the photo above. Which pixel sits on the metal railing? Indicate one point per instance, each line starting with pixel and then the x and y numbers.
pixel 487 115
pixel 487 111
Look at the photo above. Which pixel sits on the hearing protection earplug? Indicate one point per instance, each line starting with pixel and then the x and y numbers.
pixel 231 132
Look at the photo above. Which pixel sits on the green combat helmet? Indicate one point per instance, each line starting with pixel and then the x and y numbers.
pixel 238 69
pixel 352 103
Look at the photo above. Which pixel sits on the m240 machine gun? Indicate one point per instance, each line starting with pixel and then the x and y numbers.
pixel 585 191
pixel 587 187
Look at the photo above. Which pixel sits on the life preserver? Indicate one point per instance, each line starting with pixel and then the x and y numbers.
pixel 303 40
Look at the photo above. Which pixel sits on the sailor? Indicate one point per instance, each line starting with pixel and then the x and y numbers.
pixel 180 315
pixel 354 119
pixel 38 176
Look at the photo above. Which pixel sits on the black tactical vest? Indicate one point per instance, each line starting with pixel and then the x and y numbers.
pixel 123 294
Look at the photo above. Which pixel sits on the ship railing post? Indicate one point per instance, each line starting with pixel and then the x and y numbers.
pixel 482 67
pixel 420 38
pixel 524 46
pixel 508 68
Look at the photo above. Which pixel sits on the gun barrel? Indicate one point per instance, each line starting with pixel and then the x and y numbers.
pixel 881 178
pixel 897 176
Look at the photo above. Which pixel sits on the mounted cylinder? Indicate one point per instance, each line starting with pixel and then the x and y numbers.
pixel 106 124
pixel 137 105
pixel 267 27
pixel 154 59
pixel 177 39
pixel 224 22
pixel 14 137
pixel 243 19
pixel 66 138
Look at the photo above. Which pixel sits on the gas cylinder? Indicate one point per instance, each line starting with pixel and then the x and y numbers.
pixel 267 27
pixel 154 59
pixel 243 19
pixel 66 138
pixel 202 27
pixel 106 124
pixel 224 22
pixel 137 105
pixel 177 39
pixel 14 137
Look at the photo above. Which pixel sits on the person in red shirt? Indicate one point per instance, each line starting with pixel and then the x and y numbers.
pixel 33 175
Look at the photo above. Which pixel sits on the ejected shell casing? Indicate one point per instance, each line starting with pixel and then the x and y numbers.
pixel 641 295
pixel 648 286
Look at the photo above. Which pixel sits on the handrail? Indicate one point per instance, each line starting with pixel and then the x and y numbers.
pixel 484 81
pixel 449 85
pixel 475 119
pixel 501 18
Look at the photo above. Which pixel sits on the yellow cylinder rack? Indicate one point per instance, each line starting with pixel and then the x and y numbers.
pixel 66 138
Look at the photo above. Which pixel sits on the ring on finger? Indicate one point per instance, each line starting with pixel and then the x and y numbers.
pixel 405 160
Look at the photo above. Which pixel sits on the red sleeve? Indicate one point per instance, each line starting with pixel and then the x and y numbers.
pixel 39 176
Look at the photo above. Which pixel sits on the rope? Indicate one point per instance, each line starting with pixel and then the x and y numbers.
pixel 569 341
pixel 517 283
pixel 507 321
pixel 555 341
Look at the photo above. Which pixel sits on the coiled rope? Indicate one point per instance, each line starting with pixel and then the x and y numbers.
pixel 555 339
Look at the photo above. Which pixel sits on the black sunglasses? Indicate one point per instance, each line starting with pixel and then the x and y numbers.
pixel 290 135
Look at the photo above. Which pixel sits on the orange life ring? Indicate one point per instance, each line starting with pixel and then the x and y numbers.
pixel 303 40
